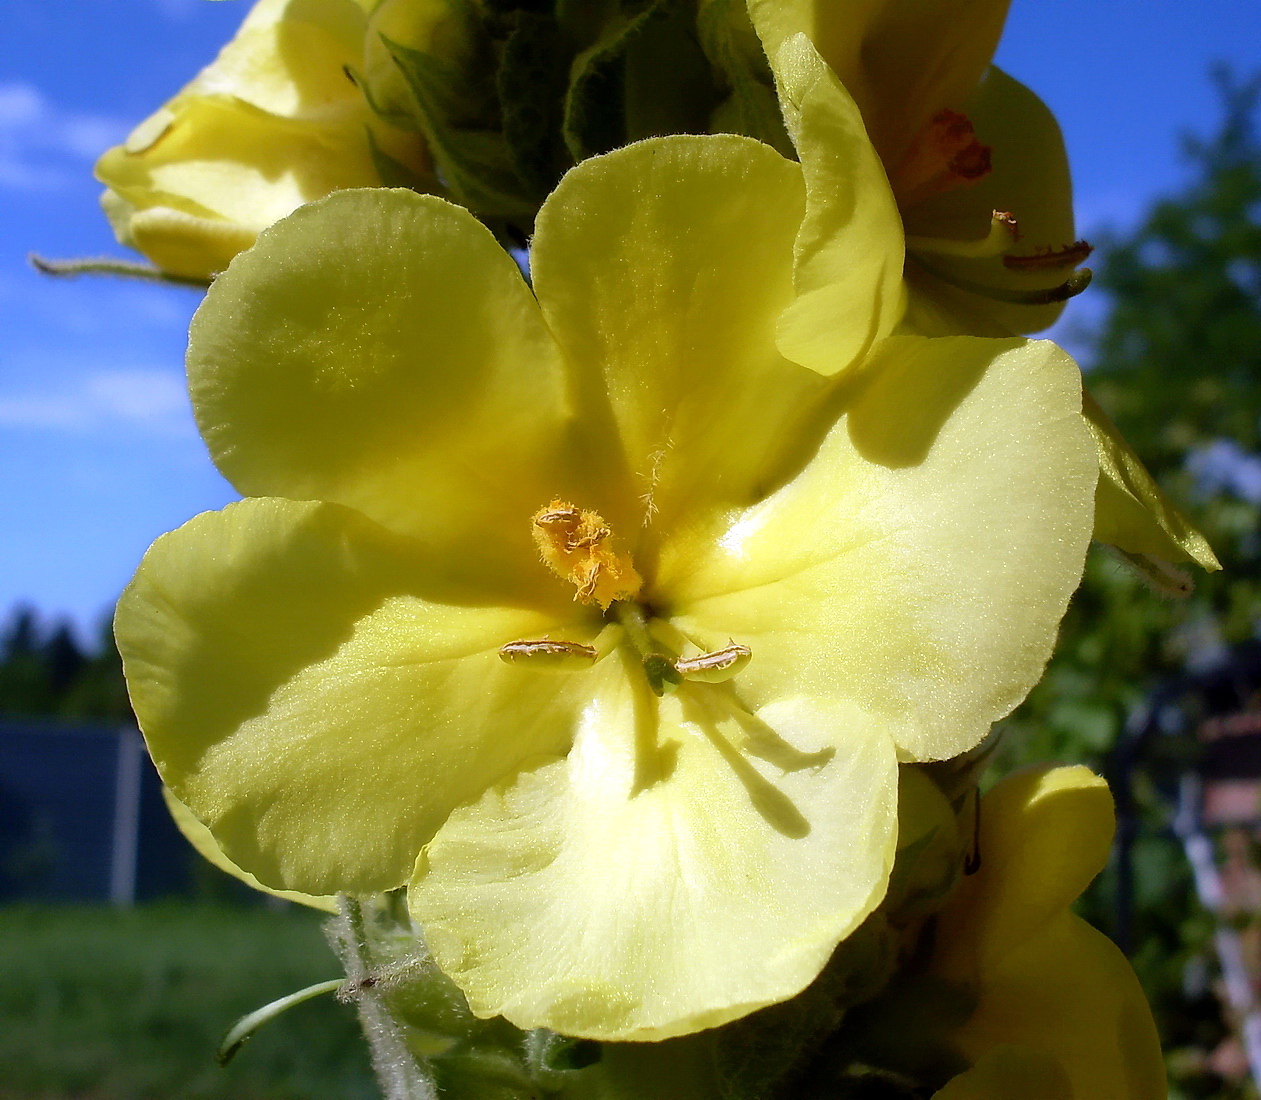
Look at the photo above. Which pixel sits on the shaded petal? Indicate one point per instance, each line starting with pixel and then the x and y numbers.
pixel 1030 180
pixel 849 252
pixel 380 349
pixel 902 60
pixel 1131 512
pixel 661 269
pixel 320 695
pixel 208 848
pixel 1008 1072
pixel 1044 978
pixel 921 562
pixel 665 877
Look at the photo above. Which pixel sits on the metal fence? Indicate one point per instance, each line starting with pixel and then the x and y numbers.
pixel 82 817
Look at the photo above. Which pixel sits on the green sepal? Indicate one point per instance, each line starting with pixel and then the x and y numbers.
pixel 903 1035
pixel 957 777
pixel 392 172
pixel 548 1053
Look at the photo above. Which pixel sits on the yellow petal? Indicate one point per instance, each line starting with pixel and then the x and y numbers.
pixel 921 562
pixel 1008 1072
pixel 849 252
pixel 1044 978
pixel 1045 834
pixel 902 60
pixel 287 57
pixel 1030 180
pixel 1131 512
pixel 199 837
pixel 320 693
pixel 661 269
pixel 1069 991
pixel 381 350
pixel 667 876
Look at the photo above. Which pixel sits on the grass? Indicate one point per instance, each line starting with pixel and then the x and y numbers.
pixel 98 1004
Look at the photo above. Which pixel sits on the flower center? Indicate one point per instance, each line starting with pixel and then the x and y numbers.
pixel 577 546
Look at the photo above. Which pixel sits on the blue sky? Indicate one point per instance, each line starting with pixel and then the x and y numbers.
pixel 98 455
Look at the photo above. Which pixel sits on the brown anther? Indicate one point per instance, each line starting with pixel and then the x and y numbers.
pixel 1008 219
pixel 546 653
pixel 714 667
pixel 1069 255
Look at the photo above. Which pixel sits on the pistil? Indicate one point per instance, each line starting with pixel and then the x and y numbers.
pixel 658 666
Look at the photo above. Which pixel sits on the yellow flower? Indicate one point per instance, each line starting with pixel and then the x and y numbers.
pixel 849 185
pixel 1057 1003
pixel 960 140
pixel 273 122
pixel 352 678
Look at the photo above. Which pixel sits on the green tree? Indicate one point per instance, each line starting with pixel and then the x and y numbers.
pixel 44 672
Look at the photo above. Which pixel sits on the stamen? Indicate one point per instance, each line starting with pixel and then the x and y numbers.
pixel 548 655
pixel 944 155
pixel 715 667
pixel 576 545
pixel 1078 281
pixel 1004 232
pixel 1161 577
pixel 1070 255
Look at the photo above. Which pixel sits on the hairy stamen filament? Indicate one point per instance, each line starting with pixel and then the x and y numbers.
pixel 1003 233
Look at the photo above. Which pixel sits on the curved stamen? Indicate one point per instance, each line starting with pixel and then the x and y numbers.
pixel 1004 232
pixel 1071 287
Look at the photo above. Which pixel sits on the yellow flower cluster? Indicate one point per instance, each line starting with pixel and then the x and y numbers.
pixel 601 611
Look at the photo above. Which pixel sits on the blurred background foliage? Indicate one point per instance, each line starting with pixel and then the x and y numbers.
pixel 1176 362
pixel 1175 357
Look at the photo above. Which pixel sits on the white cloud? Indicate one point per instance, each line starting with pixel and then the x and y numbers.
pixel 145 399
pixel 43 147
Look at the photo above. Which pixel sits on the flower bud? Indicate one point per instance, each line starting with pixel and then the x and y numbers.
pixel 274 122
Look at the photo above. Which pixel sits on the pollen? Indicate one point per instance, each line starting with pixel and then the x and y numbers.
pixel 944 155
pixel 578 546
